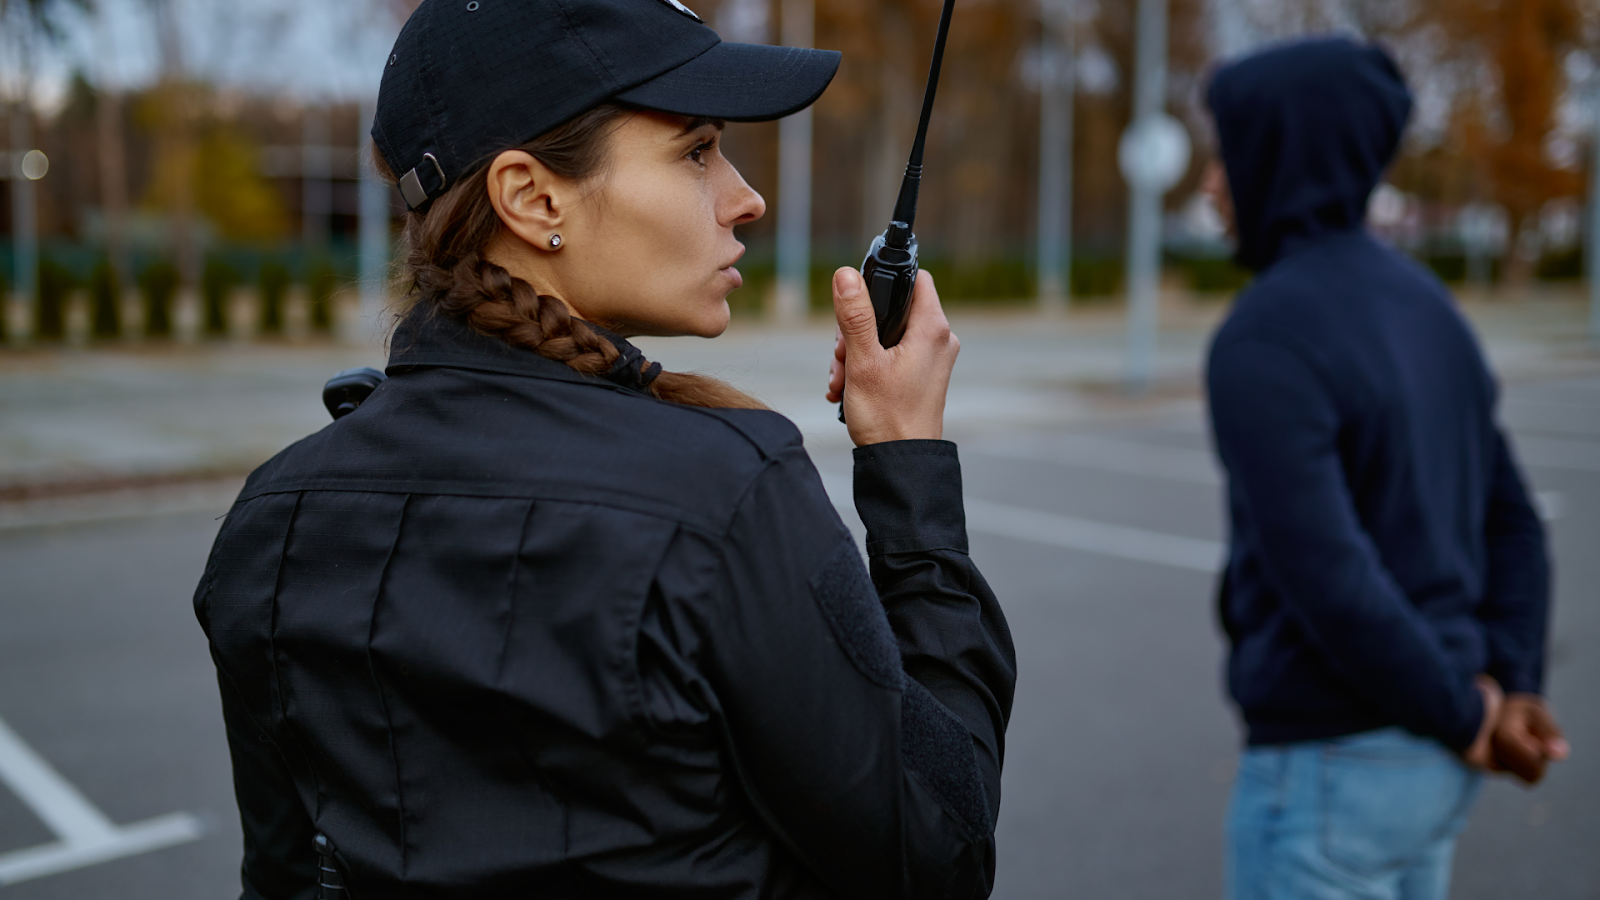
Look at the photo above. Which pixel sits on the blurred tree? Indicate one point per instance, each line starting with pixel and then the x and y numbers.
pixel 40 17
pixel 222 176
pixel 1507 117
pixel 1499 69
pixel 231 192
pixel 171 109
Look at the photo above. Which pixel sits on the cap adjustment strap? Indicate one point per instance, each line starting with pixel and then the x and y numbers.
pixel 411 183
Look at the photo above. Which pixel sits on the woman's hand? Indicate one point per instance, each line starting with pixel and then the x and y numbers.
pixel 895 394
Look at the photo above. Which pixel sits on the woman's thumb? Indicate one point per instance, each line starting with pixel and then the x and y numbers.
pixel 853 307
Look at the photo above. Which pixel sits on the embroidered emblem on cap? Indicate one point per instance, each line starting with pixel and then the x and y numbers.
pixel 685 10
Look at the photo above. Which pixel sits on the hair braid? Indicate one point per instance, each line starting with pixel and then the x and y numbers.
pixel 447 269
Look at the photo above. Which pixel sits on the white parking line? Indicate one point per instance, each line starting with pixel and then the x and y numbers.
pixel 87 836
pixel 1551 505
pixel 1197 467
pixel 1084 535
pixel 1556 453
pixel 1088 536
pixel 1111 455
pixel 1580 420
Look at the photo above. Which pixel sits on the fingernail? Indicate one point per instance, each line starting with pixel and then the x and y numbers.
pixel 846 281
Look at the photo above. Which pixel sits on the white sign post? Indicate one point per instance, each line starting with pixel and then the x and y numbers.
pixel 1153 154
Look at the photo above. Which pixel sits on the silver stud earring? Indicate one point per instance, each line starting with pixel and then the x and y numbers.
pixel 555 241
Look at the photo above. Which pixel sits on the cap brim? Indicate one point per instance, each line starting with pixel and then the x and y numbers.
pixel 740 83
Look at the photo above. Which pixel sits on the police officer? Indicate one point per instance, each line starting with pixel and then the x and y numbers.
pixel 542 620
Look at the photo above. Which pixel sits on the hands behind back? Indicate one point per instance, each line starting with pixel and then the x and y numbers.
pixel 1480 755
pixel 1519 734
pixel 1526 738
pixel 898 393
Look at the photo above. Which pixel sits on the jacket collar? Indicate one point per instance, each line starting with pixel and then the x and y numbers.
pixel 424 338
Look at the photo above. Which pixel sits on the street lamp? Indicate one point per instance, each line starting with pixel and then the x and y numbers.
pixel 23 168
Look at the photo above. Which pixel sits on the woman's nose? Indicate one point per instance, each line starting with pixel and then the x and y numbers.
pixel 744 205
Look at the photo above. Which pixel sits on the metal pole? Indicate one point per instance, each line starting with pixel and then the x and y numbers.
pixel 794 183
pixel 374 229
pixel 1144 203
pixel 24 231
pixel 1055 156
pixel 316 164
pixel 1593 255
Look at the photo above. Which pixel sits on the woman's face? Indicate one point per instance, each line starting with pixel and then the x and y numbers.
pixel 647 246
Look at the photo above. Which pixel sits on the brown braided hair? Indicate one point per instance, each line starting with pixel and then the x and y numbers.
pixel 444 266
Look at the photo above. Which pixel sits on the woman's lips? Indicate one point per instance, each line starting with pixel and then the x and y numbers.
pixel 732 273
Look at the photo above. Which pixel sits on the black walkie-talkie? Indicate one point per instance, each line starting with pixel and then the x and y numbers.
pixel 890 269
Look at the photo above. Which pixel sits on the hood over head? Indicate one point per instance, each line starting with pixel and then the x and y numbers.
pixel 1306 130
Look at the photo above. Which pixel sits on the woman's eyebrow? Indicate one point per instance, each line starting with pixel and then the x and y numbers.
pixel 698 123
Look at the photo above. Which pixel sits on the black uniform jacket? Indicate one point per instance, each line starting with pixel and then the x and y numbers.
pixel 509 630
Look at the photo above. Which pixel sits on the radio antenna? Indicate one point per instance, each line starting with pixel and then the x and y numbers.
pixel 905 208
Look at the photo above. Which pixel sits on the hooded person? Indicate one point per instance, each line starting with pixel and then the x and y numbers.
pixel 1387 574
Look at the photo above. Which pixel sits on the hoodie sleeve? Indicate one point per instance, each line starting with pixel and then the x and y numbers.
pixel 1516 606
pixel 869 742
pixel 1277 429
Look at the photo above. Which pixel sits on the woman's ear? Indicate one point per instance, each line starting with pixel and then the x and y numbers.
pixel 529 198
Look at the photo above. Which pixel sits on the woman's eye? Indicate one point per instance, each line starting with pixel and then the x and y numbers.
pixel 700 150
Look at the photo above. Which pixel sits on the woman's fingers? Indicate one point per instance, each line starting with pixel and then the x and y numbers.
pixel 927 316
pixel 896 393
pixel 835 391
pixel 852 306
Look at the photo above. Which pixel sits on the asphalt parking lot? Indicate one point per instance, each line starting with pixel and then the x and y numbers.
pixel 1101 535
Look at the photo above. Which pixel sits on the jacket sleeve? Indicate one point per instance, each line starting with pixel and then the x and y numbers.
pixel 279 863
pixel 1277 427
pixel 872 751
pixel 1516 606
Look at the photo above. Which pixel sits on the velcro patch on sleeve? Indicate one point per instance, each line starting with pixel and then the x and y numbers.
pixel 938 747
pixel 850 603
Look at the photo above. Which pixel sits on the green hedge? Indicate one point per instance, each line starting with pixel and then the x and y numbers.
pixel 105 294
pixel 275 281
pixel 158 282
pixel 56 281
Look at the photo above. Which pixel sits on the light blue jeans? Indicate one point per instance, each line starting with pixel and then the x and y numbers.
pixel 1371 816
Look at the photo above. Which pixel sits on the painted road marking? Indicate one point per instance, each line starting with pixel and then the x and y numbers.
pixel 1135 544
pixel 1552 417
pixel 1198 467
pixel 1021 523
pixel 1112 455
pixel 1556 453
pixel 1551 505
pixel 87 836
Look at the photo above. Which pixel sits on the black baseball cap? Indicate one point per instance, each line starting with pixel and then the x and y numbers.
pixel 470 78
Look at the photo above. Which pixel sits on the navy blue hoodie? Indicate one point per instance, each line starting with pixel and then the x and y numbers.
pixel 1383 549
